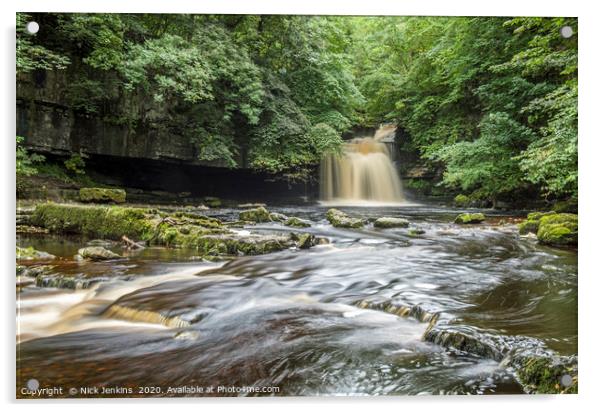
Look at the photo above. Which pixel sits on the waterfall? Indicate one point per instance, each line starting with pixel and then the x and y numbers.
pixel 364 172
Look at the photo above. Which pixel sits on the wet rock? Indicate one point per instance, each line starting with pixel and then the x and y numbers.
pixel 278 217
pixel 257 215
pixel 338 218
pixel 546 374
pixel 390 222
pixel 296 222
pixel 101 195
pixel 97 253
pixel 468 218
pixel 30 230
pixel 68 282
pixel 306 240
pixel 531 224
pixel 35 271
pixel 29 253
pixel 416 232
pixel 558 229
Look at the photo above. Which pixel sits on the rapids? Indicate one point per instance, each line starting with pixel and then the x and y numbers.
pixel 306 321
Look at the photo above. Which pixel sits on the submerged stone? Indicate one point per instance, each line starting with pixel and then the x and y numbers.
pixel 467 218
pixel 212 201
pixel 558 229
pixel 416 232
pixel 341 219
pixel 390 222
pixel 101 195
pixel 97 253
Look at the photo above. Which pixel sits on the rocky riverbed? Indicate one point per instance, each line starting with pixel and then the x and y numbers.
pixel 403 300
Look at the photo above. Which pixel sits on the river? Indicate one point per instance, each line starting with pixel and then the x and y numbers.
pixel 307 322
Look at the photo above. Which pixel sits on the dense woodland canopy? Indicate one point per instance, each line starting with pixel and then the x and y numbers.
pixel 489 102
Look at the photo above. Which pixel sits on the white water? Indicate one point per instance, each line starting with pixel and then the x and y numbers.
pixel 363 175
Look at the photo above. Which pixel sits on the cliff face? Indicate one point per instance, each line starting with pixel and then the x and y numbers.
pixel 50 125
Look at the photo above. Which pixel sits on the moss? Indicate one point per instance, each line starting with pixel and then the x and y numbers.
pixel 257 215
pixel 558 229
pixel 462 201
pixel 544 375
pixel 101 195
pixel 29 253
pixel 390 222
pixel 466 218
pixel 338 218
pixel 296 222
pixel 531 225
pixel 416 232
pixel 94 221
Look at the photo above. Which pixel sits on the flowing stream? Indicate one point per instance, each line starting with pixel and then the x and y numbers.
pixel 311 321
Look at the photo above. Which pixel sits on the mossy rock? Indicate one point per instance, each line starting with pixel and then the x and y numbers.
pixel 29 253
pixel 416 232
pixel 101 195
pixel 278 217
pixel 257 215
pixel 469 218
pixel 390 222
pixel 547 374
pixel 97 253
pixel 462 201
pixel 559 229
pixel 531 224
pixel 338 218
pixel 296 222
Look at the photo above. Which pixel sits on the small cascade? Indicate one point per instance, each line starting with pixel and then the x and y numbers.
pixel 363 173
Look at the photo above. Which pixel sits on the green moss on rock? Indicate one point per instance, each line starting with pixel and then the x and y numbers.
pixel 101 195
pixel 558 229
pixel 390 222
pixel 545 375
pixel 257 215
pixel 29 253
pixel 466 218
pixel 296 222
pixel 338 218
pixel 531 224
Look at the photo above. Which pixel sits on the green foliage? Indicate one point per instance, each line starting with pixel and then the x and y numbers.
pixel 32 56
pixel 75 164
pixel 25 162
pixel 493 101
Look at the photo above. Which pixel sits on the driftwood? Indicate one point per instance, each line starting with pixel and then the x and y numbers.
pixel 130 243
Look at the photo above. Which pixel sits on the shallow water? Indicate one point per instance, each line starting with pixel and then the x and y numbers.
pixel 291 319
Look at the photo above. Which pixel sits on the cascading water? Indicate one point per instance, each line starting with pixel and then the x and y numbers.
pixel 363 173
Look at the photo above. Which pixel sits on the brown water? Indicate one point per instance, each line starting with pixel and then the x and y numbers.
pixel 291 319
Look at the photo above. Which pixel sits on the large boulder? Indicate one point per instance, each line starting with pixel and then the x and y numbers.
pixel 97 253
pixel 531 224
pixel 466 218
pixel 257 215
pixel 390 222
pixel 338 218
pixel 559 229
pixel 101 195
